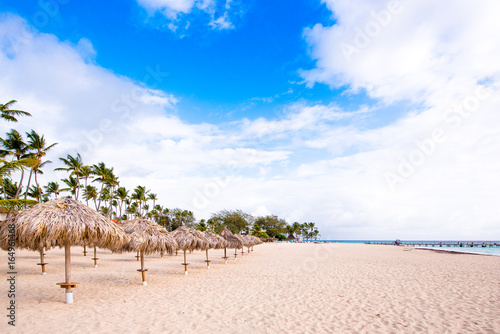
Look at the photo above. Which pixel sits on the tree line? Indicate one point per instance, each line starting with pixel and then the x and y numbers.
pixel 98 186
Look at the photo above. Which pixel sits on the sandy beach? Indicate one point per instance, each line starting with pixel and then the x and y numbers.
pixel 279 288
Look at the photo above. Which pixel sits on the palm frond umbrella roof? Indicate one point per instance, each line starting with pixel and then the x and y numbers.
pixel 63 220
pixel 257 241
pixel 5 228
pixel 188 239
pixel 216 241
pixel 247 240
pixel 233 241
pixel 148 237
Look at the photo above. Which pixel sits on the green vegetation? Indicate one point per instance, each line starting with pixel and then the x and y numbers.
pixel 99 187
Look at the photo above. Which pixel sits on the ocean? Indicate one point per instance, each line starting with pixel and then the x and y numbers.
pixel 447 245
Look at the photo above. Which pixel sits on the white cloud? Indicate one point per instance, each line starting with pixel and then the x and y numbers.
pixel 173 9
pixel 170 7
pixel 222 23
pixel 418 50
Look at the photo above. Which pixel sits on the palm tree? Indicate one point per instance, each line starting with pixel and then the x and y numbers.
pixel 303 230
pixel 74 165
pixel 90 193
pixel 310 233
pixel 103 174
pixel 14 145
pixel 133 209
pixel 296 229
pixel 9 114
pixel 112 182
pixel 52 188
pixel 153 197
pixel 128 202
pixel 10 189
pixel 122 195
pixel 139 195
pixel 39 146
pixel 37 169
pixel 73 186
pixel 86 174
pixel 37 193
pixel 103 197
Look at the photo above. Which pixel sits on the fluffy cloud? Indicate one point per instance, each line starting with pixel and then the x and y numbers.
pixel 173 9
pixel 413 50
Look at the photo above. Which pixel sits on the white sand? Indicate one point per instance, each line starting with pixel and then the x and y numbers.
pixel 280 288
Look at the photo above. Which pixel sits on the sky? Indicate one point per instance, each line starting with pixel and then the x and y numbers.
pixel 374 119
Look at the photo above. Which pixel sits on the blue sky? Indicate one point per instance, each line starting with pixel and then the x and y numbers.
pixel 375 119
pixel 250 70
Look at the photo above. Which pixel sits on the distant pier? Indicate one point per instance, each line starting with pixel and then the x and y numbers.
pixel 463 244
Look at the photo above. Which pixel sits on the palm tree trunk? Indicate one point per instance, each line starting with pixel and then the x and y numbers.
pixel 77 192
pixel 28 187
pixel 20 184
pixel 100 196
pixel 121 204
pixel 36 179
pixel 3 188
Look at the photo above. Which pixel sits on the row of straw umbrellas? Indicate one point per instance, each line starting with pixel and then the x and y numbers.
pixel 65 222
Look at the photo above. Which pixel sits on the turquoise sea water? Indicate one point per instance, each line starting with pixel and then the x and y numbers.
pixel 448 245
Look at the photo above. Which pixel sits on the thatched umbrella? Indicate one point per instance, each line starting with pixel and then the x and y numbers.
pixel 233 241
pixel 65 222
pixel 215 241
pixel 247 242
pixel 147 237
pixel 256 241
pixel 5 227
pixel 187 239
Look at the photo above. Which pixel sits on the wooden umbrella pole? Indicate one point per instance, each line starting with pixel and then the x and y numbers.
pixel 67 264
pixel 42 260
pixel 84 250
pixel 95 257
pixel 67 271
pixel 143 271
pixel 242 251
pixel 225 256
pixel 235 253
pixel 185 264
pixel 207 261
pixel 138 256
pixel 248 249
